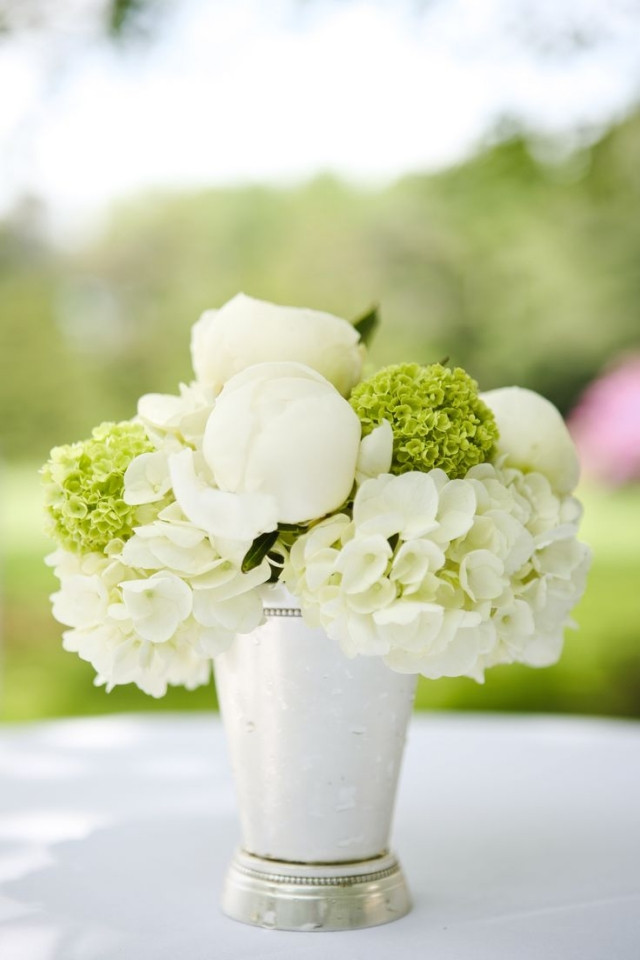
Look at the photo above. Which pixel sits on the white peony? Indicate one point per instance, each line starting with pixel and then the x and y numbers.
pixel 246 331
pixel 240 515
pixel 533 436
pixel 281 431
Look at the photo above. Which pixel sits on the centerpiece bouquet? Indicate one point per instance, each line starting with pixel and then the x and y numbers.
pixel 413 518
pixel 384 527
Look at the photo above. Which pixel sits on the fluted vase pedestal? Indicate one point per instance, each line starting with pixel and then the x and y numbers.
pixel 315 742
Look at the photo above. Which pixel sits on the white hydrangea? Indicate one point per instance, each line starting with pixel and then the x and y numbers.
pixel 446 578
pixel 160 607
pixel 176 419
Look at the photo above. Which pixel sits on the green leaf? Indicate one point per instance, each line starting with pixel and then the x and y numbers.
pixel 367 324
pixel 276 563
pixel 120 13
pixel 258 550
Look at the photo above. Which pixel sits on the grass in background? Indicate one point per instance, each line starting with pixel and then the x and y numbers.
pixel 599 672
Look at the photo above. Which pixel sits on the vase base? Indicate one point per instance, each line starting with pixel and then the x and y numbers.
pixel 298 896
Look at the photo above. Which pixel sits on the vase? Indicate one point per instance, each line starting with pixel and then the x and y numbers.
pixel 315 742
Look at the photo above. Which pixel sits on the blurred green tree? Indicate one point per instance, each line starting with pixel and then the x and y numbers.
pixel 520 270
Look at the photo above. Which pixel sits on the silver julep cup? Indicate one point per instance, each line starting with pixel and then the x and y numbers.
pixel 315 741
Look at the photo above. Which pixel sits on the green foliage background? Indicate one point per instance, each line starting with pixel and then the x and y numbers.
pixel 521 269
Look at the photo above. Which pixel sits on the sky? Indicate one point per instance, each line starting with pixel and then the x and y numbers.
pixel 231 91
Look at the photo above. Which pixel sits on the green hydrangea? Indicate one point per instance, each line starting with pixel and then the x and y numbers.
pixel 437 417
pixel 84 485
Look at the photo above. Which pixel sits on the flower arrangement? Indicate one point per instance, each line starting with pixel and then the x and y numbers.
pixel 412 517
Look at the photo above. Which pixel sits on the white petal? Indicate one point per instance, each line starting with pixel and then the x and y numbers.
pixel 358 634
pixel 321 567
pixel 239 614
pixel 414 559
pixel 456 509
pixel 137 553
pixel 362 562
pixel 224 588
pixel 157 605
pixel 380 594
pixel 376 453
pixel 212 641
pixel 482 575
pixel 406 505
pixel 160 409
pixel 544 649
pixel 146 479
pixel 236 516
pixel 80 602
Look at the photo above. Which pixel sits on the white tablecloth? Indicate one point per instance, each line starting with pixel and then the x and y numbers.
pixel 520 839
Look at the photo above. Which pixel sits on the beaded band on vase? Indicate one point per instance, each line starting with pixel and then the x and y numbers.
pixel 338 881
pixel 282 612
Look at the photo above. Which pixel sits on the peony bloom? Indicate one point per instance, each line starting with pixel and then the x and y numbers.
pixel 281 430
pixel 246 331
pixel 533 436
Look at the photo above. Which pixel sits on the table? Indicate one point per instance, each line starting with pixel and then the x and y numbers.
pixel 519 836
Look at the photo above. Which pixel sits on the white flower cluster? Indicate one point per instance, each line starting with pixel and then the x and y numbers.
pixel 246 446
pixel 160 607
pixel 446 577
pixel 437 576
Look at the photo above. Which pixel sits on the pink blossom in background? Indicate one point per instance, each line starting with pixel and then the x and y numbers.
pixel 606 424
